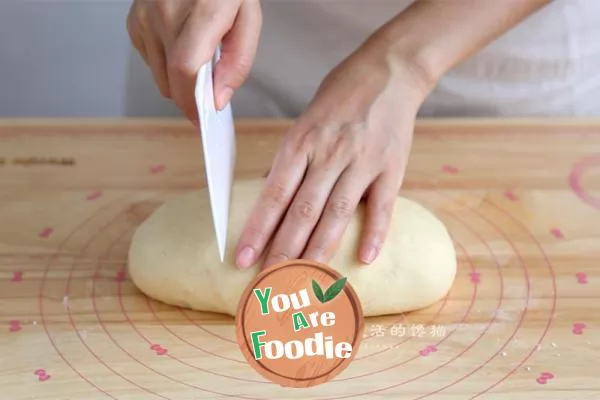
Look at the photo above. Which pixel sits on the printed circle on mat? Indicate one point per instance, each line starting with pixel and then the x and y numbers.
pixel 299 323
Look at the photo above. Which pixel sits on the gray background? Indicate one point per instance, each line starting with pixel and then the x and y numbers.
pixel 73 59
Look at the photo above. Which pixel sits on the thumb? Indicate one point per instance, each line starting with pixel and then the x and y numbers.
pixel 238 51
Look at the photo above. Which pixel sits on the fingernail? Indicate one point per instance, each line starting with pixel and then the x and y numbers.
pixel 369 255
pixel 225 97
pixel 246 257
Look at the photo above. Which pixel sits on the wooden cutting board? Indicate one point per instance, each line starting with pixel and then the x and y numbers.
pixel 522 321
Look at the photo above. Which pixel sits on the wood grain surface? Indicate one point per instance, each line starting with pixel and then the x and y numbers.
pixel 521 200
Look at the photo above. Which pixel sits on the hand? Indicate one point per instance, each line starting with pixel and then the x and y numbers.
pixel 177 37
pixel 352 141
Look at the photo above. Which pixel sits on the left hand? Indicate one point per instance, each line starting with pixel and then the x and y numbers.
pixel 352 141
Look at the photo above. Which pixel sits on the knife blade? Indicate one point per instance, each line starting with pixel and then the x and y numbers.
pixel 217 132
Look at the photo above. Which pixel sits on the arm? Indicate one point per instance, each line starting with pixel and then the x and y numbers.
pixel 432 36
pixel 353 140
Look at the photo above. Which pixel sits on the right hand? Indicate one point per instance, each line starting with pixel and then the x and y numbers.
pixel 176 37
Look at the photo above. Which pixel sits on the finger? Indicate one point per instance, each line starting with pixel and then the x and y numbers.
pixel 156 60
pixel 194 46
pixel 281 185
pixel 141 48
pixel 238 52
pixel 135 33
pixel 303 214
pixel 338 213
pixel 378 216
pixel 168 19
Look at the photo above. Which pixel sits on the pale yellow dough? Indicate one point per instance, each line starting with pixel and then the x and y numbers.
pixel 173 257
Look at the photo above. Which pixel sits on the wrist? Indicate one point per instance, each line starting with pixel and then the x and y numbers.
pixel 406 62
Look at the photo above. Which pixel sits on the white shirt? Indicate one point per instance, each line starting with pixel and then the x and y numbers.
pixel 549 65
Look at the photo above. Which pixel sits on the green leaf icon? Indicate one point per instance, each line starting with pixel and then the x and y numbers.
pixel 330 293
pixel 318 291
pixel 334 290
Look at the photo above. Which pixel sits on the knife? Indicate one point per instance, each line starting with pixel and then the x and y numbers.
pixel 217 132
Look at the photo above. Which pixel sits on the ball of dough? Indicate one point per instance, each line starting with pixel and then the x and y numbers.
pixel 174 257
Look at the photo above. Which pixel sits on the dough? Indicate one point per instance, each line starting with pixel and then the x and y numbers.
pixel 173 257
